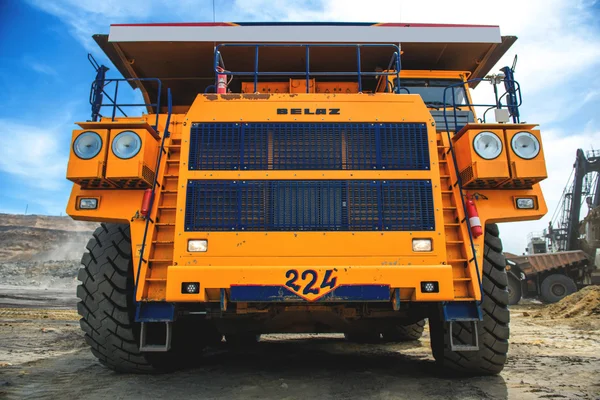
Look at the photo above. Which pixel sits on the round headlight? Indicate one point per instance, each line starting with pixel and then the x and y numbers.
pixel 87 145
pixel 487 145
pixel 126 144
pixel 525 145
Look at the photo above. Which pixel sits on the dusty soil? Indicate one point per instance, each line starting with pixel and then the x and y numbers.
pixel 42 238
pixel 554 352
pixel 42 355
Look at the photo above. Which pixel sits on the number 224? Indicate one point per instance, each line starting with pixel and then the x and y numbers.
pixel 313 276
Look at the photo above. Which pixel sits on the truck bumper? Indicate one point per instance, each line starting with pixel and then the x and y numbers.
pixel 310 284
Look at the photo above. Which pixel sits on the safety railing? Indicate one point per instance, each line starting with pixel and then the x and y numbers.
pixel 512 96
pixel 513 92
pixel 98 93
pixel 393 69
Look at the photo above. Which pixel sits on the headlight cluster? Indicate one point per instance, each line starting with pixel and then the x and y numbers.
pixel 126 144
pixel 525 145
pixel 487 145
pixel 87 145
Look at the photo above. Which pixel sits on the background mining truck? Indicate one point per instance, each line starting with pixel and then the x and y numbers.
pixel 300 178
pixel 563 258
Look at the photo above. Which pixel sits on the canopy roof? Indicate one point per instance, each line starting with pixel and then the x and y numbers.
pixel 182 54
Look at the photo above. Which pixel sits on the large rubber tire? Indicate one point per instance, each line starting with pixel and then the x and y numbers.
pixel 107 308
pixel 556 287
pixel 404 332
pixel 514 290
pixel 493 331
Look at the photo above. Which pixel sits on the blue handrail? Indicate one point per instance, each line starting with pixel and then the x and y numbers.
pixel 162 150
pixel 218 62
pixel 516 90
pixel 515 95
pixel 97 90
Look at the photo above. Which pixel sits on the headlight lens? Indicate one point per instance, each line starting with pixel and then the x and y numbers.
pixel 87 145
pixel 525 203
pixel 487 145
pixel 421 245
pixel 126 144
pixel 197 245
pixel 88 204
pixel 525 145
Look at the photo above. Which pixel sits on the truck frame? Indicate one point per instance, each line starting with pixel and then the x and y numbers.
pixel 300 177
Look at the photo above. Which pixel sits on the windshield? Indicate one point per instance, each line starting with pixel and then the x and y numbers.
pixel 432 91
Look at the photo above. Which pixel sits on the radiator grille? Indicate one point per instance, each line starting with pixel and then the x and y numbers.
pixel 402 205
pixel 302 146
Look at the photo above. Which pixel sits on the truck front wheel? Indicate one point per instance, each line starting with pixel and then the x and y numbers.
pixel 556 286
pixel 493 331
pixel 107 309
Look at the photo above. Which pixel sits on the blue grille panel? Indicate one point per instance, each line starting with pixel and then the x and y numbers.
pixel 302 146
pixel 403 205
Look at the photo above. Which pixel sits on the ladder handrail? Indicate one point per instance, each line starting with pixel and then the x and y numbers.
pixel 460 191
pixel 166 134
pixel 100 83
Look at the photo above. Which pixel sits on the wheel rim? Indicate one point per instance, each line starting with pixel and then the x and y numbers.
pixel 558 290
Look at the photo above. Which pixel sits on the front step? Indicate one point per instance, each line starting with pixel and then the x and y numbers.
pixel 155 347
pixel 473 346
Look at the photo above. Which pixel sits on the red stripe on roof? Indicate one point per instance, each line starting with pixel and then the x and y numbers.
pixel 409 25
pixel 386 24
pixel 182 24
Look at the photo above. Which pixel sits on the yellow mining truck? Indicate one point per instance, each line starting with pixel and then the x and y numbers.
pixel 300 177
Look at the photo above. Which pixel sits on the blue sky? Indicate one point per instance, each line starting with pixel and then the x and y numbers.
pixel 45 76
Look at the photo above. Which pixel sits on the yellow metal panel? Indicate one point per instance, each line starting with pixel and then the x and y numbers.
pixel 337 87
pixel 86 172
pixel 531 171
pixel 266 87
pixel 405 278
pixel 338 108
pixel 115 205
pixel 125 173
pixel 307 175
pixel 396 246
pixel 299 85
pixel 476 171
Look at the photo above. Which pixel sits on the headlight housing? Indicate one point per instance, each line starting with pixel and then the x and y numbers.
pixel 126 145
pixel 87 145
pixel 525 145
pixel 487 145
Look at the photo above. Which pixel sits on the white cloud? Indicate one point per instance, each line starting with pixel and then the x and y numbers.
pixel 34 154
pixel 44 69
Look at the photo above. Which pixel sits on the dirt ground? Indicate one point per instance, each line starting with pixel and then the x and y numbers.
pixel 42 355
pixel 554 351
